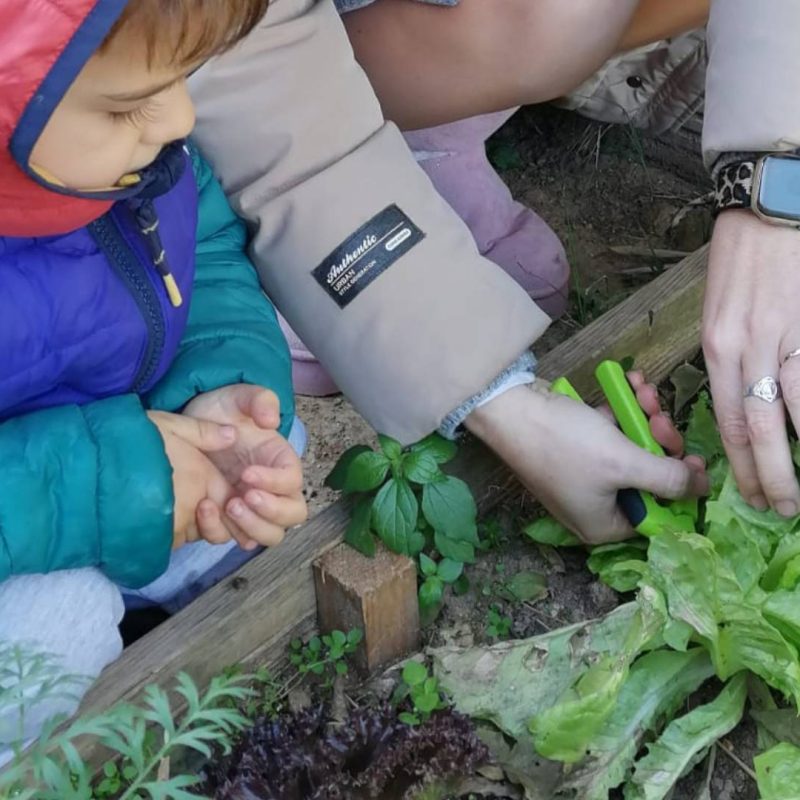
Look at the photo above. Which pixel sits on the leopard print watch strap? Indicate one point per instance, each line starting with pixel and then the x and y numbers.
pixel 734 187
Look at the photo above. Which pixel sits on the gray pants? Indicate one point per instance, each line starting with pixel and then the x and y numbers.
pixel 73 616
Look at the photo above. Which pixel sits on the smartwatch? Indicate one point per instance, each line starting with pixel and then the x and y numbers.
pixel 768 186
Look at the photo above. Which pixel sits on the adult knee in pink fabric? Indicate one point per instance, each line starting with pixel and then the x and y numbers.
pixel 506 232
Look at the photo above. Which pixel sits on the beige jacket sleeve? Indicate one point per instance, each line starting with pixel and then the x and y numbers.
pixel 753 82
pixel 294 131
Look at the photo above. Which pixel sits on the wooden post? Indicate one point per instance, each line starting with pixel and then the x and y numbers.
pixel 377 595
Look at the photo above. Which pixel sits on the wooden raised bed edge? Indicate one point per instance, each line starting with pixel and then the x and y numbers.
pixel 251 616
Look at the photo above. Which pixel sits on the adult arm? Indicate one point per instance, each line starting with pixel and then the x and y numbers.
pixel 293 128
pixel 753 78
pixel 751 318
pixel 431 66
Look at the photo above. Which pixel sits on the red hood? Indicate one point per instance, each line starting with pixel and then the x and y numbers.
pixel 44 44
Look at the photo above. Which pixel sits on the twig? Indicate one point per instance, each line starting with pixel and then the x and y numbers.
pixel 163 770
pixel 544 620
pixel 597 148
pixel 291 683
pixel 702 200
pixel 682 197
pixel 536 614
pixel 635 271
pixel 711 762
pixel 643 251
pixel 682 212
pixel 339 701
pixel 728 750
pixel 571 322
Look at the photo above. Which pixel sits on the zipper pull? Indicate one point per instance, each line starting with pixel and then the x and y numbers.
pixel 169 281
pixel 148 222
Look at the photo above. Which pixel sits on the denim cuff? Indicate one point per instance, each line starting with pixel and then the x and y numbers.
pixel 520 373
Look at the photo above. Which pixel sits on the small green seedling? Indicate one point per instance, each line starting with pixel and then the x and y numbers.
pixel 422 690
pixel 267 695
pixel 548 531
pixel 435 575
pixel 498 626
pixel 115 778
pixel 492 535
pixel 269 698
pixel 325 656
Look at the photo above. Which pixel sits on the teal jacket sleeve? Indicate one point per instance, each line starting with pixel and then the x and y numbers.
pixel 86 486
pixel 232 335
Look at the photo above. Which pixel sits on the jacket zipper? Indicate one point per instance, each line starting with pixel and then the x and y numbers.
pixel 124 261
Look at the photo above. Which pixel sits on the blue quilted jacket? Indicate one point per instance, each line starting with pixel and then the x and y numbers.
pixel 88 341
pixel 96 327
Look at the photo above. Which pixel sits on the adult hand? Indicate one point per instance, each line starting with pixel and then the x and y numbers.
pixel 198 486
pixel 750 324
pixel 574 459
pixel 262 467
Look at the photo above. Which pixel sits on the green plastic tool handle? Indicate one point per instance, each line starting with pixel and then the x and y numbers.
pixel 626 408
pixel 636 427
pixel 563 386
pixel 641 509
pixel 645 514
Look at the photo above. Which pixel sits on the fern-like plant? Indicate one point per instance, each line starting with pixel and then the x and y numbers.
pixel 28 680
pixel 53 769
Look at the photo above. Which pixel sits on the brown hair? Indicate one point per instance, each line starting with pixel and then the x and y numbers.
pixel 192 30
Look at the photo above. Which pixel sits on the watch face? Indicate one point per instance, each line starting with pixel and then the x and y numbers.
pixel 779 187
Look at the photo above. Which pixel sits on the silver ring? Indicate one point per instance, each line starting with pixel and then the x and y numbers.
pixel 793 354
pixel 766 389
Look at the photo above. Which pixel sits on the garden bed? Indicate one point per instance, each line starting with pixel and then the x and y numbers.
pixel 598 188
pixel 251 617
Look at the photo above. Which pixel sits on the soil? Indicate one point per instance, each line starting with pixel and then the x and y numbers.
pixel 599 187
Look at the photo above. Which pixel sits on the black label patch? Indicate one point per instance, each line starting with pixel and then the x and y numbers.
pixel 371 250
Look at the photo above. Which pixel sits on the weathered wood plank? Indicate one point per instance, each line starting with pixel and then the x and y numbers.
pixel 250 617
pixel 659 326
pixel 261 604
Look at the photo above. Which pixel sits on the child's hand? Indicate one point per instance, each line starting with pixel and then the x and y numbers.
pixel 262 466
pixel 199 486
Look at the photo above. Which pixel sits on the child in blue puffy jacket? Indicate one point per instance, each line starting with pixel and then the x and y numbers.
pixel 145 386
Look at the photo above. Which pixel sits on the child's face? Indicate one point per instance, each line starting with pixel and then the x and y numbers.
pixel 115 119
